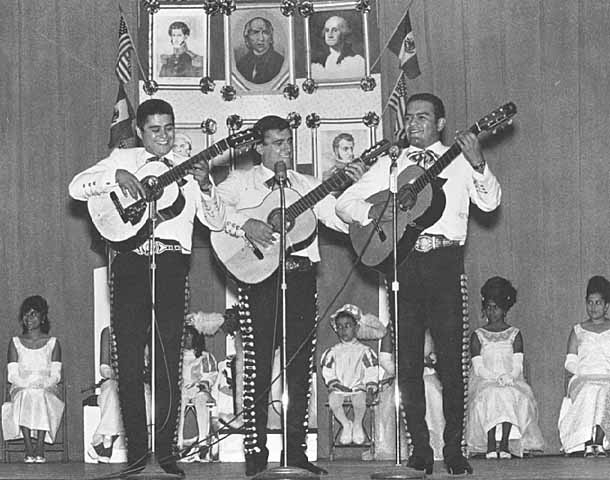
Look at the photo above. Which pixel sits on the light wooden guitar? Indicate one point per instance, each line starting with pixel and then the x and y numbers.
pixel 374 241
pixel 251 263
pixel 124 222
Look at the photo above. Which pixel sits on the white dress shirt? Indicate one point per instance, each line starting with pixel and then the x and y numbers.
pixel 247 189
pixel 101 178
pixel 463 185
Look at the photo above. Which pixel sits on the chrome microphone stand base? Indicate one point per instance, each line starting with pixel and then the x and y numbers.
pixel 285 473
pixel 398 472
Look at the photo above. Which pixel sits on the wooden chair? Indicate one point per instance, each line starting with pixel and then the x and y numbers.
pixel 60 446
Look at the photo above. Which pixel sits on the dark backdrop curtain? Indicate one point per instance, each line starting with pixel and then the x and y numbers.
pixel 57 91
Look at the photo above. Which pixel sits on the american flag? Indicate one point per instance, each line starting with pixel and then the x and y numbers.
pixel 398 103
pixel 123 61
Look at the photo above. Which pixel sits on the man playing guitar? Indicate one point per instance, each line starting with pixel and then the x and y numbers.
pixel 432 290
pixel 261 328
pixel 131 289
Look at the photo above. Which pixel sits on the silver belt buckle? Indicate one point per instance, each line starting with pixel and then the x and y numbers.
pixel 424 244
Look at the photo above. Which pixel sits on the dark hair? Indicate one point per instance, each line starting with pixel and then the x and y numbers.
pixel 267 23
pixel 179 26
pixel 500 291
pixel 601 285
pixel 40 305
pixel 437 103
pixel 271 122
pixel 342 136
pixel 347 314
pixel 198 339
pixel 151 107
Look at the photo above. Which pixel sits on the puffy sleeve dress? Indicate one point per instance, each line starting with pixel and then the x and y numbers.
pixel 491 404
pixel 34 408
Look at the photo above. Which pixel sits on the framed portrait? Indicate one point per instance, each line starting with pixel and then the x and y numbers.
pixel 338 44
pixel 178 57
pixel 259 43
pixel 338 141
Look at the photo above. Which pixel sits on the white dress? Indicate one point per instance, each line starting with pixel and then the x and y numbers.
pixel 354 364
pixel 33 408
pixel 491 404
pixel 589 402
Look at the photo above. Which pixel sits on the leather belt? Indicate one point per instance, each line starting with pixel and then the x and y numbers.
pixel 161 246
pixel 298 264
pixel 425 243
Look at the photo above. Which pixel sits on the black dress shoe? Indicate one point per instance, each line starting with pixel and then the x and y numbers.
pixel 173 469
pixel 256 462
pixel 457 465
pixel 307 465
pixel 421 463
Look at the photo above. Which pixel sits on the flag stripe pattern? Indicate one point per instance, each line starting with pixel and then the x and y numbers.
pixel 398 103
pixel 123 62
pixel 121 125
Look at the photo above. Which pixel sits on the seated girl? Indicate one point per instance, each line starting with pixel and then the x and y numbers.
pixel 585 417
pixel 199 372
pixel 111 420
pixel 34 370
pixel 350 370
pixel 499 395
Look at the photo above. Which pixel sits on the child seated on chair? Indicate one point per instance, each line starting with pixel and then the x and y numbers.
pixel 199 372
pixel 34 371
pixel 499 395
pixel 350 370
pixel 111 420
pixel 584 420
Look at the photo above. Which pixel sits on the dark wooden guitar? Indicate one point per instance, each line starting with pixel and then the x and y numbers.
pixel 374 241
pixel 124 222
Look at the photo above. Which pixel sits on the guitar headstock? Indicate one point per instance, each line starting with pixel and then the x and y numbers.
pixel 497 119
pixel 244 138
pixel 369 156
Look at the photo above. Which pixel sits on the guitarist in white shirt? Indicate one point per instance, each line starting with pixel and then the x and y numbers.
pixel 261 330
pixel 432 280
pixel 131 293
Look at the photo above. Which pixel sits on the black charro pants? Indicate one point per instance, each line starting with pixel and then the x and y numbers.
pixel 264 304
pixel 430 296
pixel 131 316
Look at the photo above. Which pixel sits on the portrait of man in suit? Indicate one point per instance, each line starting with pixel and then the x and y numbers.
pixel 261 63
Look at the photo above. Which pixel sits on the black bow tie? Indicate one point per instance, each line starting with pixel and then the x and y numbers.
pixel 424 158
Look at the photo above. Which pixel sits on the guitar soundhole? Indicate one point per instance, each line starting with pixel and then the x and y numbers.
pixel 275 220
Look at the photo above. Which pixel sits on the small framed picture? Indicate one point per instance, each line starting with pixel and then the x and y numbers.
pixel 189 140
pixel 259 41
pixel 178 47
pixel 338 49
pixel 337 142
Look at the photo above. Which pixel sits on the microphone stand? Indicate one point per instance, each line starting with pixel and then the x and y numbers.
pixel 152 470
pixel 285 472
pixel 398 472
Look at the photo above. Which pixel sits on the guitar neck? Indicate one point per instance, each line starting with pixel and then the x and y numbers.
pixel 441 163
pixel 180 171
pixel 337 181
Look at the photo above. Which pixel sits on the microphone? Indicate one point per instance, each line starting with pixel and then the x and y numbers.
pixel 280 172
pixel 394 152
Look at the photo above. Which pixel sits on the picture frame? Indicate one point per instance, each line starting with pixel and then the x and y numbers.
pixel 253 31
pixel 178 54
pixel 339 45
pixel 338 141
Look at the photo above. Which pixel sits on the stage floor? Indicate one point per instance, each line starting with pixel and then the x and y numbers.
pixel 543 467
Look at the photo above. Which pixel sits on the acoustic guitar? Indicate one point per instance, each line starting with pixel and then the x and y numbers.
pixel 374 241
pixel 252 263
pixel 125 223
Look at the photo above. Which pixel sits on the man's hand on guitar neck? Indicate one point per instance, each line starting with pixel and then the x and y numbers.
pixel 354 170
pixel 129 184
pixel 471 148
pixel 258 232
pixel 201 173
